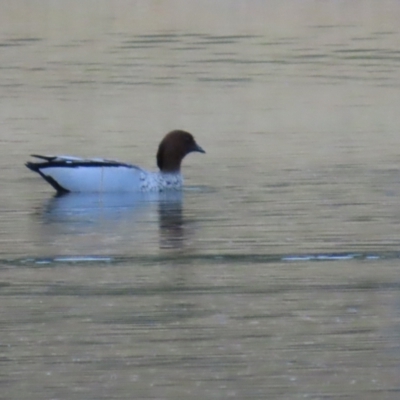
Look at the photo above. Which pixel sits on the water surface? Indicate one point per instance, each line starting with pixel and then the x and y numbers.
pixel 275 273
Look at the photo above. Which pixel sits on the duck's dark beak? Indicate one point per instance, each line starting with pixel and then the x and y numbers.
pixel 198 148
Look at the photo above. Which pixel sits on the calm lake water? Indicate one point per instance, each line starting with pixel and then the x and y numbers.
pixel 276 273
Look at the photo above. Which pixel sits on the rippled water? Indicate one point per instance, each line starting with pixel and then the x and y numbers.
pixel 275 274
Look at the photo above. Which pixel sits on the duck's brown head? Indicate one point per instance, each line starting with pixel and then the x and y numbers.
pixel 173 148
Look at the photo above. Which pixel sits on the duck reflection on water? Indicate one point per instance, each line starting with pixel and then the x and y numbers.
pixel 103 219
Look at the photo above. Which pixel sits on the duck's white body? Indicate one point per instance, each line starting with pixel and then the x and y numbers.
pixel 73 174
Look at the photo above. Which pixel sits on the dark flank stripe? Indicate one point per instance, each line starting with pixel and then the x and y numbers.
pixel 36 168
pixel 75 164
pixel 60 189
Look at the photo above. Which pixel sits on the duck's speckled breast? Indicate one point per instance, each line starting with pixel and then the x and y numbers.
pixel 158 181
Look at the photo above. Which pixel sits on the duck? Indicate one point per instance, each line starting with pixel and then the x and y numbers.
pixel 93 175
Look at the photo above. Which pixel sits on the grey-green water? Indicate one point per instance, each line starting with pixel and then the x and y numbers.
pixel 276 274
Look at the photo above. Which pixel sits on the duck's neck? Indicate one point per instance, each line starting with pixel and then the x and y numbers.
pixel 175 172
